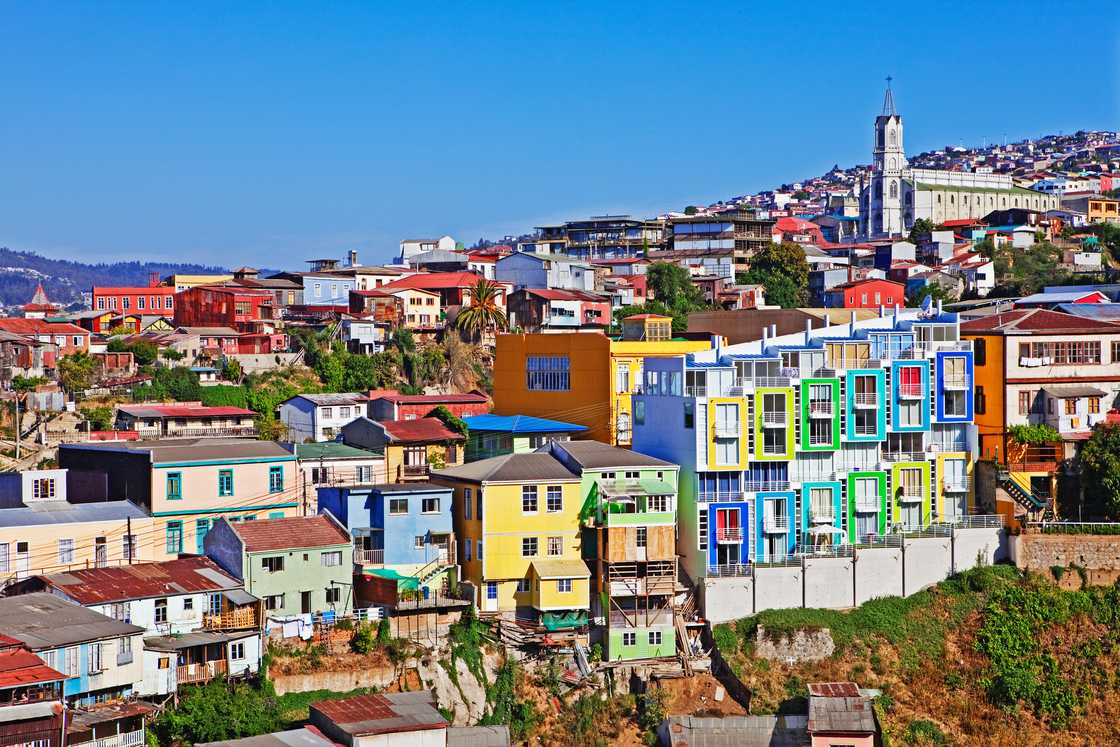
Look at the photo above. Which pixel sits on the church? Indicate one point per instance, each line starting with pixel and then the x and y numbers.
pixel 895 195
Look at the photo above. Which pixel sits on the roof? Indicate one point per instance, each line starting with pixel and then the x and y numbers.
pixel 598 455
pixel 210 331
pixel 533 467
pixel 1035 320
pixel 20 667
pixel 1060 297
pixel 43 621
pixel 519 424
pixel 290 532
pixel 634 317
pixel 561 569
pixel 328 400
pixel 557 294
pixel 303 737
pixel 181 641
pixel 420 430
pixel 333 450
pixel 1073 391
pixel 863 281
pixel 382 713
pixel 478 736
pixel 89 586
pixel 183 450
pixel 183 411
pixel 61 512
pixel 737 731
pixel 437 280
pixel 23 326
pixel 429 399
pixel 834 710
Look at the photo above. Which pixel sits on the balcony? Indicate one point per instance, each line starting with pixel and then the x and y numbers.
pixel 772 419
pixel 866 429
pixel 729 535
pixel 414 471
pixel 822 515
pixel 954 383
pixel 866 400
pixel 956 484
pixel 696 391
pixel 910 391
pixel 775 524
pixel 730 570
pixel 726 430
pixel 200 672
pixel 867 505
pixel 820 408
pixel 904 456
pixel 233 618
pixel 719 496
pixel 369 557
pixel 124 739
pixel 759 486
pixel 911 494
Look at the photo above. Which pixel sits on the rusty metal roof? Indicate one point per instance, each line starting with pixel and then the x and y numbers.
pixel 142 580
pixel 382 713
pixel 291 532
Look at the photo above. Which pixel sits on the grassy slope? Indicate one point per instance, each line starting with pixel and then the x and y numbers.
pixel 984 658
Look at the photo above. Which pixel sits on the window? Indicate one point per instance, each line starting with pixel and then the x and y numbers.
pixel 72 661
pixel 4 548
pixel 418 542
pixel 467 548
pixel 528 499
pixel 237 651
pixel 702 529
pixel 657 504
pixel 215 604
pixel 95 654
pixel 980 351
pixel 333 594
pixel 128 547
pixel 1063 353
pixel 250 517
pixel 522 585
pixel 344 412
pixel 273 563
pixel 167 302
pixel 555 500
pixel 654 637
pixel 1116 351
pixel 174 537
pixel 43 488
pixel 139 302
pixel 328 412
pixel 1094 405
pixel 820 432
pixel 528 547
pixel 398 506
pixel 1071 406
pixel 622 379
pixel 468 499
pixel 564 585
pixel 555 546
pixel 629 639
pixel 478 506
pixel 201 528
pixel 174 486
pixel 161 611
pixel 640 412
pixel 689 415
pixel 429 506
pixel 331 558
pixel 640 540
pixel 547 373
pixel 981 404
pixel 274 602
pixel 225 482
pixel 276 479
pixel 479 543
pixel 1026 399
pixel 66 551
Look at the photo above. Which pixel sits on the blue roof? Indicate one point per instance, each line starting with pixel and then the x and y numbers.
pixel 1056 297
pixel 519 424
pixel 1091 310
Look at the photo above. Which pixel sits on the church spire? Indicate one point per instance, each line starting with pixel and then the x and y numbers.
pixel 888 100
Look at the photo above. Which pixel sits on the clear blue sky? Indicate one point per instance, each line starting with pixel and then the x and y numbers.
pixel 267 133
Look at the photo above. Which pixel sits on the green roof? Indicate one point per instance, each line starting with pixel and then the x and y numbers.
pixel 333 450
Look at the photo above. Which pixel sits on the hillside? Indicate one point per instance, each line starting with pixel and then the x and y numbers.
pixel 986 658
pixel 65 280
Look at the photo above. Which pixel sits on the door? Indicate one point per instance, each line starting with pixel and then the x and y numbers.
pixel 23 561
pixel 866 525
pixel 305 602
pixel 490 597
pixel 101 552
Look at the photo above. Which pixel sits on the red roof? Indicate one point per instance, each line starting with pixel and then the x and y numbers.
pixel 361 714
pixel 1036 320
pixel 20 667
pixel 960 222
pixel 117 583
pixel 437 280
pixel 184 411
pixel 292 532
pixel 834 689
pixel 864 281
pixel 428 399
pixel 421 430
pixel 99 290
pixel 556 294
pixel 40 327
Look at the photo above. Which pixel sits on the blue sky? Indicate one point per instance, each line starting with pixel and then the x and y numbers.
pixel 267 133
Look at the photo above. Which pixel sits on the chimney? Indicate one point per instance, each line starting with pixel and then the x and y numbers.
pixel 353 254
pixel 852 325
pixel 774 330
pixel 808 329
pixel 896 315
pixel 153 280
pixel 882 311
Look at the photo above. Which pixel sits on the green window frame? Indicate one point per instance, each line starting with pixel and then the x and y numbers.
pixel 276 514
pixel 174 486
pixel 250 517
pixel 201 527
pixel 276 479
pixel 225 483
pixel 174 537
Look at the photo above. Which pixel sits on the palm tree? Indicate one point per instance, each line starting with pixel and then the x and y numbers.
pixel 483 314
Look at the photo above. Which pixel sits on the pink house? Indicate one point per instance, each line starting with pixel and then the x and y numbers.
pixel 839 716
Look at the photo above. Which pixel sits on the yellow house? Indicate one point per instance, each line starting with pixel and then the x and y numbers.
pixel 585 377
pixel 422 308
pixel 517 518
pixel 181 282
pixel 412 448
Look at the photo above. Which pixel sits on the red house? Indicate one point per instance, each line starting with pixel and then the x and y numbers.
pixel 865 294
pixel 247 310
pixel 69 338
pixel 391 405
pixel 156 299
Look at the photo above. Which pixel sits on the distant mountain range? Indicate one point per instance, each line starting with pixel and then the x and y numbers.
pixel 65 280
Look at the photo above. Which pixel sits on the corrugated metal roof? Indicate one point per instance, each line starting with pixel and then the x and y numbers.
pixel 597 455
pixel 420 430
pixel 536 466
pixel 290 532
pixel 90 586
pixel 561 569
pixel 171 451
pixel 305 737
pixel 43 621
pixel 21 667
pixel 333 450
pixel 61 512
pixel 383 713
pixel 519 424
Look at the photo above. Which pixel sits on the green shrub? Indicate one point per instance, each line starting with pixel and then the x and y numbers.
pixel 363 641
pixel 726 640
pixel 928 731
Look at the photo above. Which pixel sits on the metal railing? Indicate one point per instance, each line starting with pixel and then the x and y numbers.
pixel 774 419
pixel 904 456
pixel 865 429
pixel 760 486
pixel 956 484
pixel 369 557
pixel 719 496
pixel 415 470
pixel 979 521
pixel 696 391
pixel 910 391
pixel 954 382
pixel 820 409
pixel 124 739
pixel 729 535
pixel 730 570
pixel 772 381
pixel 822 515
pixel 910 494
pixel 727 430
pixel 775 523
pixel 865 399
pixel 868 505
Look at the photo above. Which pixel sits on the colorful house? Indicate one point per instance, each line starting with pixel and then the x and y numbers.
pixel 517 521
pixel 865 294
pixel 799 443
pixel 156 299
pixel 586 378
pixel 412 448
pixel 495 435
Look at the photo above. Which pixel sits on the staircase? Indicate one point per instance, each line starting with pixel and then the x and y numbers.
pixel 1021 492
pixel 436 566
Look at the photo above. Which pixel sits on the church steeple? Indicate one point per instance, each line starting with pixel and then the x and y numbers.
pixel 888 101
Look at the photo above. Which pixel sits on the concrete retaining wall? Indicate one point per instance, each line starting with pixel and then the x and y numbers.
pixel 828 582
pixel 878 573
pixel 926 561
pixel 972 547
pixel 724 599
pixel 778 587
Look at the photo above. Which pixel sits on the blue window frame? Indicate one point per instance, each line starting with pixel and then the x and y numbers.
pixel 174 486
pixel 201 527
pixel 276 479
pixel 174 537
pixel 225 482
pixel 276 515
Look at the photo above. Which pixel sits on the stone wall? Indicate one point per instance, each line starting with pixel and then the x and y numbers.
pixel 794 648
pixel 1099 555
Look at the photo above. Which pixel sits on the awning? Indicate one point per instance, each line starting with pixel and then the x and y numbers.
pixel 1073 391
pixel 561 569
pixel 646 486
pixel 239 596
pixel 186 640
pixel 564 620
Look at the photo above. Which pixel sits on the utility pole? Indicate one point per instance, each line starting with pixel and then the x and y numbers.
pixel 17 427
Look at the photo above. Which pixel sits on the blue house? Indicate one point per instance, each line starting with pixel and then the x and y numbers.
pixel 401 529
pixel 327 289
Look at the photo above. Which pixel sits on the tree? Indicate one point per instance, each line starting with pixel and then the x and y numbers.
pixel 76 371
pixel 691 210
pixel 231 371
pixel 99 418
pixel 171 354
pixel 448 418
pixel 1100 468
pixel 933 291
pixel 459 364
pixel 144 351
pixel 921 231
pixel 483 314
pixel 672 285
pixel 219 711
pixel 783 271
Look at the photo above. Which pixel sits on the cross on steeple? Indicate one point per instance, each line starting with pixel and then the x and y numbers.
pixel 888 100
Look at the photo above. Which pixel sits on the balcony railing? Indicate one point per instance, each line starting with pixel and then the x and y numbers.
pixel 124 739
pixel 956 484
pixel 867 505
pixel 911 494
pixel 771 381
pixel 719 496
pixel 369 557
pixel 866 399
pixel 866 429
pixel 954 383
pixel 757 486
pixel 202 672
pixel 910 391
pixel 774 419
pixel 776 523
pixel 730 570
pixel 415 470
pixel 696 391
pixel 822 515
pixel 729 535
pixel 820 409
pixel 236 618
pixel 904 456
pixel 727 430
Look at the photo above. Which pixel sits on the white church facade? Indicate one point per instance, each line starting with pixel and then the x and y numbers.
pixel 896 195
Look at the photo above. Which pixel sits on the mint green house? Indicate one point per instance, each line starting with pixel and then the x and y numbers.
pixel 297 566
pixel 630 501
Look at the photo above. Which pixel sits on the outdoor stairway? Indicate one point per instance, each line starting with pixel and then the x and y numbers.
pixel 1022 494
